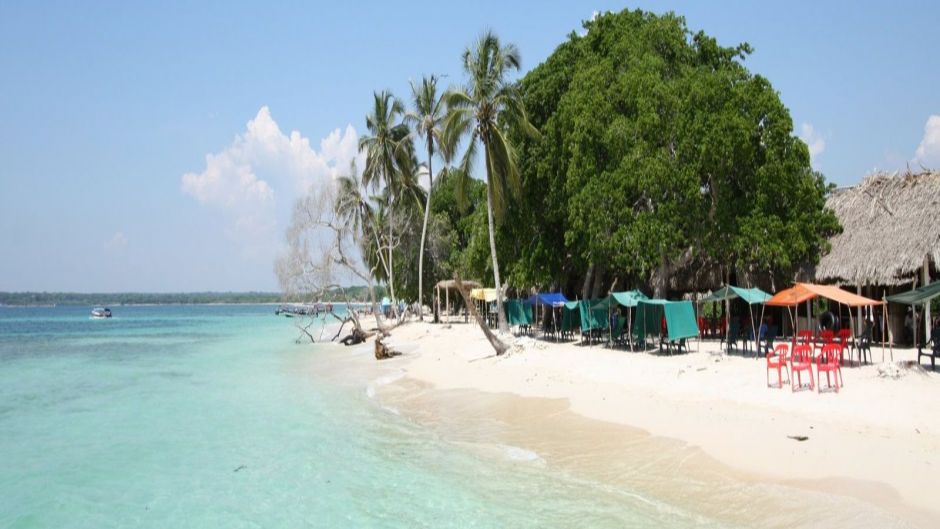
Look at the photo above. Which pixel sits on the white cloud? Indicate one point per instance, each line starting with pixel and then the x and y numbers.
pixel 257 177
pixel 814 141
pixel 117 241
pixel 928 152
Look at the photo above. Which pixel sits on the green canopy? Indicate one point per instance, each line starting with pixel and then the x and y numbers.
pixel 626 299
pixel 573 305
pixel 918 295
pixel 749 295
pixel 680 318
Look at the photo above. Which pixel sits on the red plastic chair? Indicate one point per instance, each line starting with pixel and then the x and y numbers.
pixel 844 339
pixel 828 362
pixel 801 360
pixel 777 360
pixel 826 337
pixel 804 337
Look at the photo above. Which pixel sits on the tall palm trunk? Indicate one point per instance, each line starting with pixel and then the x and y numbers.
pixel 391 247
pixel 500 313
pixel 424 231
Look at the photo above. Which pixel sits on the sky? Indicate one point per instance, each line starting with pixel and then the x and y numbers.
pixel 160 146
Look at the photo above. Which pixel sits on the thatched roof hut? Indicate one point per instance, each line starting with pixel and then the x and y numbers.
pixel 890 227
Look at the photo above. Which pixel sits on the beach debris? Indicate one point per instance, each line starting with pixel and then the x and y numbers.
pixel 799 438
pixel 383 351
pixel 890 370
pixel 240 467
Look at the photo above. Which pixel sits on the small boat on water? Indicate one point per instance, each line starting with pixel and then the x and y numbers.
pixel 100 312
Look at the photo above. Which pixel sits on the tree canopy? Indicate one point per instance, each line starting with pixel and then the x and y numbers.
pixel 658 149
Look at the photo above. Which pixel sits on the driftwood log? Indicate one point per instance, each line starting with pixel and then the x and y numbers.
pixel 357 336
pixel 383 351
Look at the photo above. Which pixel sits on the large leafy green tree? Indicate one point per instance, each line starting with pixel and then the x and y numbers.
pixel 389 156
pixel 483 112
pixel 427 118
pixel 659 153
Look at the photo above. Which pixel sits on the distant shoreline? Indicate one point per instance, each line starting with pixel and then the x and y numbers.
pixel 50 299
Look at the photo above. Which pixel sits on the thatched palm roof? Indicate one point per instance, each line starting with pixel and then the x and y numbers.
pixel 890 223
pixel 450 284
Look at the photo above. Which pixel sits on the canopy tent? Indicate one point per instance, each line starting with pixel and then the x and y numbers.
pixel 805 291
pixel 517 314
pixel 801 292
pixel 483 294
pixel 680 318
pixel 750 296
pixel 447 285
pixel 628 299
pixel 625 299
pixel 918 295
pixel 551 299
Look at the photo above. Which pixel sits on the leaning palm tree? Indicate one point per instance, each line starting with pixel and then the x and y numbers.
pixel 388 158
pixel 484 111
pixel 427 118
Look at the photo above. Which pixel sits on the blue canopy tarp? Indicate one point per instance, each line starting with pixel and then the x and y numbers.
pixel 551 299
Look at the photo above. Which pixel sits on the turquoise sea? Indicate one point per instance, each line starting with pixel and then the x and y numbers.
pixel 212 416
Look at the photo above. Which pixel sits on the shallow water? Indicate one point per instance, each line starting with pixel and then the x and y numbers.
pixel 211 416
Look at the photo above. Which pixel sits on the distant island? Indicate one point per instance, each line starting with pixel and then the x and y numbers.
pixel 22 299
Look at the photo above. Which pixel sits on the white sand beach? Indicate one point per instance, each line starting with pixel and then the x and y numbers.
pixel 877 440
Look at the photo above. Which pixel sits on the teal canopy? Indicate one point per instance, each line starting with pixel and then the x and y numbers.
pixel 627 299
pixel 918 295
pixel 680 318
pixel 749 295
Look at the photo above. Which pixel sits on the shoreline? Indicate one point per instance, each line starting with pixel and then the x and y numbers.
pixel 875 441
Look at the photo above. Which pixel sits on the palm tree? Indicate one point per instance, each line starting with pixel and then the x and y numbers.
pixel 388 158
pixel 484 110
pixel 427 118
pixel 355 209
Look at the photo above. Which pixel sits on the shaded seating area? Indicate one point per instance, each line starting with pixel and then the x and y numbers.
pixel 611 306
pixel 751 296
pixel 547 308
pixel 672 322
pixel 518 315
pixel 922 296
pixel 595 323
pixel 792 297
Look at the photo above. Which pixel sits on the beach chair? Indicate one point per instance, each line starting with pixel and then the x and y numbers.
pixel 826 337
pixel 669 345
pixel 934 352
pixel 569 320
pixel 766 344
pixel 801 360
pixel 828 362
pixel 616 334
pixel 863 342
pixel 844 339
pixel 777 361
pixel 731 338
pixel 804 337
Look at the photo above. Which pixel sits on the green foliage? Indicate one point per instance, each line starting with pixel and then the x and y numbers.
pixel 656 141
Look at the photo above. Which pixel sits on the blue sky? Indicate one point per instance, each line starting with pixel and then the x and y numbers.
pixel 109 112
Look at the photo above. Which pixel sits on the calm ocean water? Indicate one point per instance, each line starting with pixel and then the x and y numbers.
pixel 211 416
